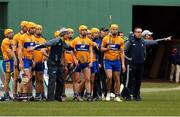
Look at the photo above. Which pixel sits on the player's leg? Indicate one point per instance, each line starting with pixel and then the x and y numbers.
pixel 116 73
pixel 87 74
pixel 177 73
pixel 27 82
pixel 39 68
pixel 108 70
pixel 77 86
pixel 8 68
pixel 15 81
pixel 172 72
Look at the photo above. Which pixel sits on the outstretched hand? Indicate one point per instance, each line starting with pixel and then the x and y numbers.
pixel 168 38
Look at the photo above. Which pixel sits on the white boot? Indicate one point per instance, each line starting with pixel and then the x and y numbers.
pixel 117 99
pixel 108 97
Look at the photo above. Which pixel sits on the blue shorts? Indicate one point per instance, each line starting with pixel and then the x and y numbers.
pixel 113 65
pixel 8 66
pixel 39 67
pixel 94 68
pixel 27 63
pixel 81 67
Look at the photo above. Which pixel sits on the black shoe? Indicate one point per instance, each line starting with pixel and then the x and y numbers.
pixel 38 98
pixel 138 98
pixel 89 99
pixel 2 98
pixel 74 98
pixel 128 98
pixel 31 98
pixel 97 99
pixel 16 98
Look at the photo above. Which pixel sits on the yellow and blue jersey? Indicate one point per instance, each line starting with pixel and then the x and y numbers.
pixel 115 45
pixel 6 48
pixel 82 48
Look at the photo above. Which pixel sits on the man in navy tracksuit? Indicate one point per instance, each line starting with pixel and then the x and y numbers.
pixel 135 50
pixel 97 86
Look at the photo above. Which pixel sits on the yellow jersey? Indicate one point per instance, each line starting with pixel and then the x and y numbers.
pixel 68 56
pixel 82 47
pixel 15 42
pixel 6 48
pixel 37 54
pixel 27 41
pixel 115 45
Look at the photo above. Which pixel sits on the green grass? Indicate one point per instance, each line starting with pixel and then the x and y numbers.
pixel 159 85
pixel 154 103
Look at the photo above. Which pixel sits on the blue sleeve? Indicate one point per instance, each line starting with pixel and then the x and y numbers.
pixel 51 42
pixel 127 45
pixel 150 42
pixel 47 44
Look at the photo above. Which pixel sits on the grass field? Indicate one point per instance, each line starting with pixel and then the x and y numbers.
pixel 153 103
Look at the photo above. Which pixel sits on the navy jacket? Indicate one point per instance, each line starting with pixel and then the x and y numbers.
pixel 136 49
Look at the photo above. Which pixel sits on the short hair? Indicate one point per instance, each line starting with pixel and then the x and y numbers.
pixel 120 32
pixel 137 27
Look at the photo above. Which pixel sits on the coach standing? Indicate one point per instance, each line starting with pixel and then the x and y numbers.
pixel 135 49
pixel 56 64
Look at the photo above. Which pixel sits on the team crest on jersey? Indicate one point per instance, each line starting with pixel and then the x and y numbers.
pixel 114 46
pixel 83 46
pixel 32 44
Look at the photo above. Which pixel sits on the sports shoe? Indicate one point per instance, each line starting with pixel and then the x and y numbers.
pixel 108 97
pixel 78 99
pixel 89 99
pixel 117 99
pixel 112 95
pixel 63 98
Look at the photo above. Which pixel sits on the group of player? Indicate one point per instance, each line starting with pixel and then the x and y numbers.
pixel 17 59
pixel 84 58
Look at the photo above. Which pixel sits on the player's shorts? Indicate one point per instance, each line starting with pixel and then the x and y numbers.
pixel 27 63
pixel 8 66
pixel 81 67
pixel 94 68
pixel 39 67
pixel 114 65
pixel 69 67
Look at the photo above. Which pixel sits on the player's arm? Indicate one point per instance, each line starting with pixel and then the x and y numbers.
pixel 5 46
pixel 20 51
pixel 74 58
pixel 91 54
pixel 14 52
pixel 44 52
pixel 104 46
pixel 71 47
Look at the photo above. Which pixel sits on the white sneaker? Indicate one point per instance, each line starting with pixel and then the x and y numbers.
pixel 112 95
pixel 103 97
pixel 108 97
pixel 117 99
